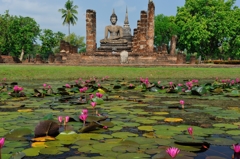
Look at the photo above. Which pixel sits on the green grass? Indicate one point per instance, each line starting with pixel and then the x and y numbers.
pixel 49 72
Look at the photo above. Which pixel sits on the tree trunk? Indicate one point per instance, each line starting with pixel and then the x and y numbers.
pixel 68 29
pixel 21 56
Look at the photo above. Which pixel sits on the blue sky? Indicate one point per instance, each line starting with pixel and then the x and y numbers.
pixel 45 12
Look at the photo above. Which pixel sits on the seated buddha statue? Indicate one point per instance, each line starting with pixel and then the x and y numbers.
pixel 114 31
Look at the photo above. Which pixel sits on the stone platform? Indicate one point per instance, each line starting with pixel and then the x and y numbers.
pixel 108 58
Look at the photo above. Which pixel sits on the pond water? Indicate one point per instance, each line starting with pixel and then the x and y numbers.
pixel 143 119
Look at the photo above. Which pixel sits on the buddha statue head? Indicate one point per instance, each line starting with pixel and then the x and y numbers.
pixel 113 18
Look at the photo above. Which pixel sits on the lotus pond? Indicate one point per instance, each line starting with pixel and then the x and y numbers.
pixel 134 119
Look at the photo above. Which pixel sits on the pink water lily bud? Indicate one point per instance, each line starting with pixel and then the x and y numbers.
pixel 99 95
pixel 93 104
pixel 170 83
pixel 181 102
pixel 91 96
pixel 83 117
pixel 84 111
pixel 60 119
pixel 105 127
pixel 66 119
pixel 67 86
pixel 159 82
pixel 190 130
pixel 2 140
pixel 173 151
pixel 236 148
pixel 15 88
pixel 44 85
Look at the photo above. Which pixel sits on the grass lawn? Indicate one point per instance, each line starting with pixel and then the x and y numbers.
pixel 49 72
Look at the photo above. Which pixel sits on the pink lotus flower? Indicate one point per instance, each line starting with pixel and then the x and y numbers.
pixel 173 151
pixel 2 140
pixel 190 130
pixel 17 89
pixel 180 85
pixel 67 119
pixel 236 148
pixel 93 104
pixel 105 127
pixel 83 117
pixel 99 95
pixel 181 102
pixel 60 119
pixel 91 96
pixel 49 86
pixel 67 86
pixel 44 85
pixel 84 111
pixel 159 82
pixel 170 83
pixel 237 80
pixel 99 85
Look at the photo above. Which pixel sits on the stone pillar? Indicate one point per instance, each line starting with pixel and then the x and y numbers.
pixel 134 43
pixel 1 60
pixel 67 47
pixel 143 33
pixel 75 49
pixel 150 27
pixel 90 31
pixel 38 59
pixel 138 36
pixel 164 49
pixel 192 59
pixel 58 58
pixel 51 58
pixel 173 45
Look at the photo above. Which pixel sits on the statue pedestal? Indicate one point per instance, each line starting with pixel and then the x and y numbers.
pixel 109 47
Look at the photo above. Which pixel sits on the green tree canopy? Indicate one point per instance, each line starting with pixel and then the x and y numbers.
pixel 50 42
pixel 76 40
pixel 18 34
pixel 69 13
pixel 165 28
pixel 207 25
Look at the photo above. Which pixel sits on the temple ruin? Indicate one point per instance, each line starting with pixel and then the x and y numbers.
pixel 139 46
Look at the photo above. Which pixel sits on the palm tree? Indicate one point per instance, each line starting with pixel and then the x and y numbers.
pixel 69 14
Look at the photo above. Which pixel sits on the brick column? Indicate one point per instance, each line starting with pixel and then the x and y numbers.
pixel 150 27
pixel 90 31
pixel 173 45
pixel 134 43
pixel 143 33
pixel 138 36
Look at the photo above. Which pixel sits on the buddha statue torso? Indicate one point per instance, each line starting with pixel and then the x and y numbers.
pixel 114 31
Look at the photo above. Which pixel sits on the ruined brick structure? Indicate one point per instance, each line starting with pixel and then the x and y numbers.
pixel 68 48
pixel 91 31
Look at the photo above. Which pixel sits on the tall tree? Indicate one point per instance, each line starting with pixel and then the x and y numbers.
pixel 207 25
pixel 50 41
pixel 165 28
pixel 24 32
pixel 69 13
pixel 17 34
